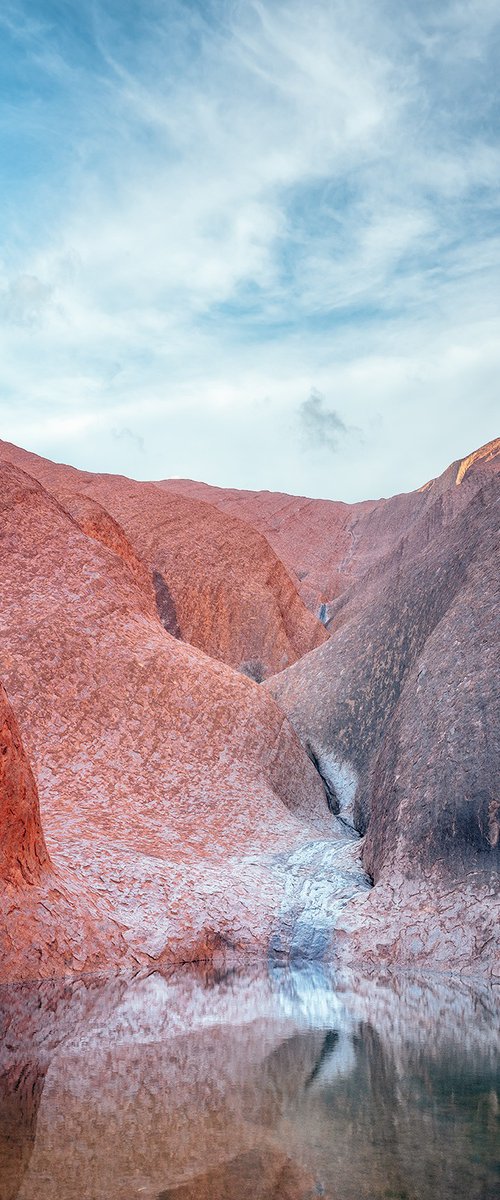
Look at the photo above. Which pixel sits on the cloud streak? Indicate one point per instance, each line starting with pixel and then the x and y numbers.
pixel 212 205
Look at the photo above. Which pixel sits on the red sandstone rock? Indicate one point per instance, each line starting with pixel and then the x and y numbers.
pixel 327 545
pixel 167 781
pixel 218 583
pixel 183 819
pixel 45 925
pixel 314 538
pixel 23 853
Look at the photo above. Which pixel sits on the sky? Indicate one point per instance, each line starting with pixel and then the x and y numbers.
pixel 251 242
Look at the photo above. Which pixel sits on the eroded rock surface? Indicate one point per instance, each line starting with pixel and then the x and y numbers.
pixel 23 853
pixel 399 710
pixel 217 582
pixel 47 925
pixel 316 539
pixel 182 818
pixel 168 782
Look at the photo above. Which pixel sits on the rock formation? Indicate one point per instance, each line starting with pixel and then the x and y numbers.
pixel 180 818
pixel 217 582
pixel 399 711
pixel 169 784
pixel 327 545
pixel 316 539
pixel 23 853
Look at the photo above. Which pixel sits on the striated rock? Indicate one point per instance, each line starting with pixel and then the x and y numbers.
pixel 217 582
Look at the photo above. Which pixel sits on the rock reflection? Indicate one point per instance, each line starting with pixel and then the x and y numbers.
pixel 21 1088
pixel 281 1087
pixel 256 1175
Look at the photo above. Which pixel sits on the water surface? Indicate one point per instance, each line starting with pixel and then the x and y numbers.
pixel 281 1085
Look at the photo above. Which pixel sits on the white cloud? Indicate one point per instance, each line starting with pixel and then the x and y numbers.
pixel 248 206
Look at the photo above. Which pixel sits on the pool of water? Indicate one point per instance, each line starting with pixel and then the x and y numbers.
pixel 281 1084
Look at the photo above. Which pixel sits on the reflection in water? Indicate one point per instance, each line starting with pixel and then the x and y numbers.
pixel 21 1087
pixel 286 1086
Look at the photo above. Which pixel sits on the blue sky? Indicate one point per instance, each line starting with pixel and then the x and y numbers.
pixel 248 242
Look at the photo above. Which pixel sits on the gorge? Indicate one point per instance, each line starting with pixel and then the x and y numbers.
pixel 196 768
pixel 249 901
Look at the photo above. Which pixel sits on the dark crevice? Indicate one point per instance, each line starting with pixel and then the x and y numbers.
pixel 327 1049
pixel 165 605
pixel 254 669
pixel 332 799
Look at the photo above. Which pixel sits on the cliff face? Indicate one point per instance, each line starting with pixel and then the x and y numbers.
pixel 182 817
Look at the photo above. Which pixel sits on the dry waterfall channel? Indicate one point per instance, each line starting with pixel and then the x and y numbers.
pixel 318 879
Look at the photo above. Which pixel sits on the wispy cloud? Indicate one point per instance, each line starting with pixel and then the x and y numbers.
pixel 214 210
pixel 322 426
pixel 128 435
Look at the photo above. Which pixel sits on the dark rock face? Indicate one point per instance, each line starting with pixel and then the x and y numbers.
pixel 423 630
pixel 440 753
pixel 165 605
pixel 400 710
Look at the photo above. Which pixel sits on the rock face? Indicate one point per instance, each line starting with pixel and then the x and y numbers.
pixel 399 711
pixel 180 818
pixel 169 784
pixel 318 540
pixel 329 546
pixel 217 583
pixel 23 853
